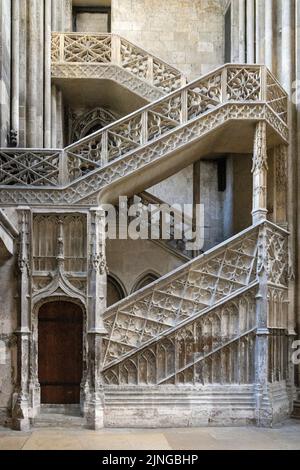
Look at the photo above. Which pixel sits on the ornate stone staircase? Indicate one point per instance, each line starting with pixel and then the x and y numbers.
pixel 220 320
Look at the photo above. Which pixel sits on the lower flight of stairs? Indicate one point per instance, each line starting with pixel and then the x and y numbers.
pixel 296 410
pixel 62 416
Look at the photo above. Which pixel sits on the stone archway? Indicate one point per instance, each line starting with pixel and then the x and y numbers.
pixel 144 280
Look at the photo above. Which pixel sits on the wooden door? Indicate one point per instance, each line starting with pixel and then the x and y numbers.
pixel 60 352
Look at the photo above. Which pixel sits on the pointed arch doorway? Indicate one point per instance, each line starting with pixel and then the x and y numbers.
pixel 60 358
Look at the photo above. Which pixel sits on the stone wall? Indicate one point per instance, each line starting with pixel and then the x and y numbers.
pixel 185 33
pixel 130 260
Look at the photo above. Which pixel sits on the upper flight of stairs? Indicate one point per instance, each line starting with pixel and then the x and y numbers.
pixel 111 57
pixel 152 143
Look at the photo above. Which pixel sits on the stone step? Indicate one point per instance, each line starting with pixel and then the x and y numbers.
pixel 73 409
pixel 58 420
pixel 296 410
pixel 59 416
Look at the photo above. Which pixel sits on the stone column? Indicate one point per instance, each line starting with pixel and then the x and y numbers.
pixel 269 34
pixel 287 46
pixel 235 31
pixel 47 68
pixel 287 75
pixel 53 117
pixel 242 31
pixel 260 33
pixel 23 74
pixel 297 6
pixel 31 108
pixel 20 406
pixel 259 172
pixel 250 32
pixel 15 64
pixel 280 185
pixel 59 119
pixel 97 278
pixel 39 141
pixel 67 16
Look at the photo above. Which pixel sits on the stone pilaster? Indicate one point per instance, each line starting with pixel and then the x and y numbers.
pixel 93 388
pixel 259 172
pixel 263 405
pixel 21 408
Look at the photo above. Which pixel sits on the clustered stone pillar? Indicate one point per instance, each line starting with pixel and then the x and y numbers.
pixel 20 406
pixel 255 32
pixel 259 172
pixel 97 279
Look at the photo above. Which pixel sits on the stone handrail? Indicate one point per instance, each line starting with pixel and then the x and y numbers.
pixel 194 289
pixel 103 48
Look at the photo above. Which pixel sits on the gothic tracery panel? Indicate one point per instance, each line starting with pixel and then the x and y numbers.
pixel 50 231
